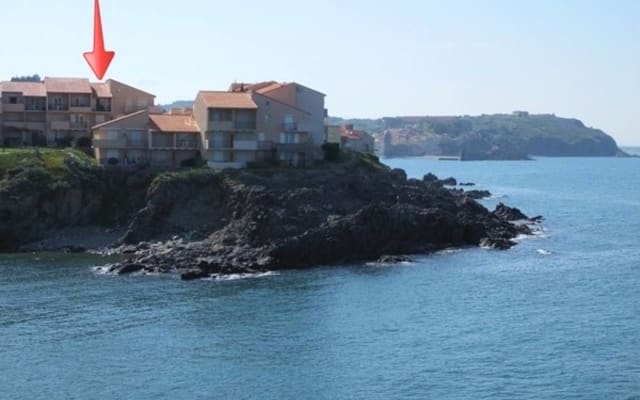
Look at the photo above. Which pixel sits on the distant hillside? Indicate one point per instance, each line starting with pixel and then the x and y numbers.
pixel 178 104
pixel 500 136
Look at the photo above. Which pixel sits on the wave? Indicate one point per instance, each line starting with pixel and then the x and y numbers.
pixel 235 277
pixel 544 252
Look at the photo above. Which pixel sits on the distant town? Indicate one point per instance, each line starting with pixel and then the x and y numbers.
pixel 122 126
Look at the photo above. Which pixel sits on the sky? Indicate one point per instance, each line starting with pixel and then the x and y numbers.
pixel 573 58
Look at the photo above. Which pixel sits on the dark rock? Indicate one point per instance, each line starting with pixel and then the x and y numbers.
pixel 430 178
pixel 449 182
pixel 130 268
pixel 399 174
pixel 497 243
pixel 74 249
pixel 509 214
pixel 537 219
pixel 478 194
pixel 390 259
pixel 466 184
pixel 194 275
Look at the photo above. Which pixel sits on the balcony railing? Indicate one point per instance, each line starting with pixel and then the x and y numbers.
pixel 290 127
pixel 35 107
pixel 136 143
pixel 187 144
pixel 110 143
pixel 79 125
pixel 58 107
pixel 245 125
pixel 103 108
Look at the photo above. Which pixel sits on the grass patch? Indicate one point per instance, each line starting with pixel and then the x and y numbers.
pixel 53 161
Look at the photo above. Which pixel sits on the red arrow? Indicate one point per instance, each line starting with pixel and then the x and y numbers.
pixel 99 59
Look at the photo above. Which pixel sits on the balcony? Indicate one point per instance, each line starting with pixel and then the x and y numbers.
pixel 140 144
pixel 80 108
pixel 36 107
pixel 103 108
pixel 58 107
pixel 60 125
pixel 250 145
pixel 36 126
pixel 218 144
pixel 244 125
pixel 10 107
pixel 79 125
pixel 187 144
pixel 220 126
pixel 290 127
pixel 110 143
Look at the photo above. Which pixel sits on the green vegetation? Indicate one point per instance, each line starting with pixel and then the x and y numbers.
pixel 56 162
pixel 27 78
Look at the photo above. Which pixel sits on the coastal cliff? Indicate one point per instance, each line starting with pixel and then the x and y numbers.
pixel 201 222
pixel 489 137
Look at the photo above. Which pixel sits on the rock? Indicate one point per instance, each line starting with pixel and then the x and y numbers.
pixel 130 268
pixel 430 178
pixel 399 174
pixel 390 259
pixel 74 249
pixel 466 184
pixel 537 219
pixel 449 182
pixel 497 243
pixel 478 194
pixel 194 275
pixel 509 213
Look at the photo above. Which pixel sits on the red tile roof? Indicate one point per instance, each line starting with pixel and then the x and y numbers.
pixel 173 123
pixel 227 100
pixel 351 134
pixel 68 85
pixel 30 89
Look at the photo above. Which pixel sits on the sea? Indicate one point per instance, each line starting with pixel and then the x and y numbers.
pixel 556 317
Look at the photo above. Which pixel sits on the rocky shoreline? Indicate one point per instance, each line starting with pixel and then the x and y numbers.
pixel 201 223
pixel 268 221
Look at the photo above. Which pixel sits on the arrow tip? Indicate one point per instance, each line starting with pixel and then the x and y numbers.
pixel 99 61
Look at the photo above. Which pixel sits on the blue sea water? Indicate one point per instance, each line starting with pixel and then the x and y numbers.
pixel 557 317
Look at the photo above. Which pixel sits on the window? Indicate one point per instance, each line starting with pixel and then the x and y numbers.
pixel 220 115
pixel 13 100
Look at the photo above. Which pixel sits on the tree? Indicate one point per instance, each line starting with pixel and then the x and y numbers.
pixel 27 78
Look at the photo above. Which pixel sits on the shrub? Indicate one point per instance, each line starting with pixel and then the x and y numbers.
pixel 113 161
pixel 331 151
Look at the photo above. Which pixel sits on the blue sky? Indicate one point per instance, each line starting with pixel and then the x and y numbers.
pixel 569 57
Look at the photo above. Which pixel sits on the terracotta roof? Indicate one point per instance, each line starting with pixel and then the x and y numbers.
pixel 174 123
pixel 68 85
pixel 110 81
pixel 227 100
pixel 101 89
pixel 271 87
pixel 102 125
pixel 31 89
pixel 245 87
pixel 351 134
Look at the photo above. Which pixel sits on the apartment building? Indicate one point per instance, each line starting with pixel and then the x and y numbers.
pixel 291 116
pixel 228 123
pixel 148 137
pixel 57 110
pixel 247 123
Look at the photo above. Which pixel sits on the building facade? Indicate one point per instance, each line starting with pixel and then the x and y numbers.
pixel 148 138
pixel 58 110
pixel 356 140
